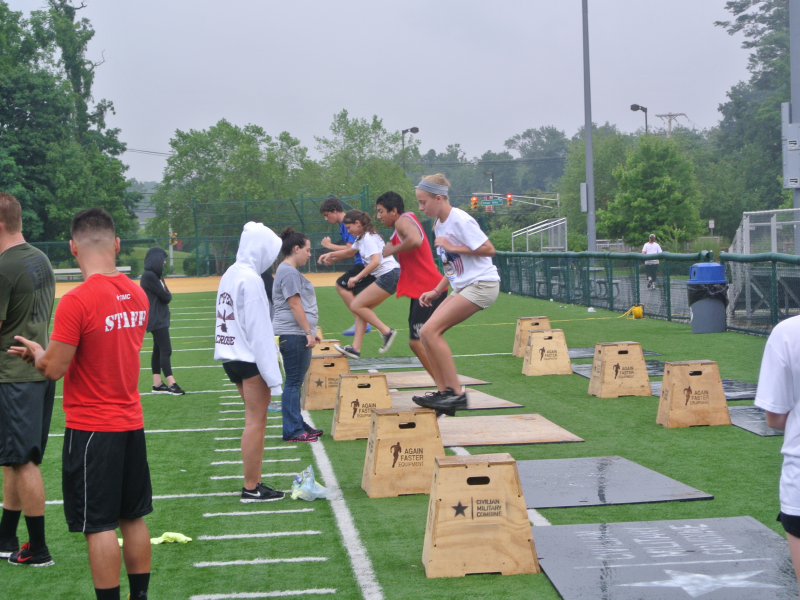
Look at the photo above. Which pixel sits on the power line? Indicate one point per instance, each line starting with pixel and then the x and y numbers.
pixel 150 152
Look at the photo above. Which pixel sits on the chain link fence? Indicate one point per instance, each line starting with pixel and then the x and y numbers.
pixel 764 289
pixel 614 281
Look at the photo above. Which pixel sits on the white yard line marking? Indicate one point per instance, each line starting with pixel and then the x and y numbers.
pixel 218 477
pixel 181 350
pixel 265 448
pixel 489 354
pixel 236 396
pixel 232 419
pixel 247 536
pixel 230 439
pixel 359 561
pixel 255 595
pixel 230 403
pixel 224 412
pixel 260 561
pixel 258 512
pixel 534 516
pixel 168 496
pixel 239 462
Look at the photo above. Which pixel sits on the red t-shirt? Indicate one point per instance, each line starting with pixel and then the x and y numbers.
pixel 105 317
pixel 418 272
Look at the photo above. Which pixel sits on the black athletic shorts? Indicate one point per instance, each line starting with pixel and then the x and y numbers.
pixel 352 272
pixel 418 315
pixel 25 412
pixel 238 370
pixel 791 524
pixel 105 478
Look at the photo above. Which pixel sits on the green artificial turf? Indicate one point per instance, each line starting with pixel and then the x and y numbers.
pixel 739 468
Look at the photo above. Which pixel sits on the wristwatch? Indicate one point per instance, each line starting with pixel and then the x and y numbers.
pixel 309 332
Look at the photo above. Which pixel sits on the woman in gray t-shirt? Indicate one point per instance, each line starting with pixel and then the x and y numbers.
pixel 294 320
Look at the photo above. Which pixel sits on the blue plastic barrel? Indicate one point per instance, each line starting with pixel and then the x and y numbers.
pixel 709 273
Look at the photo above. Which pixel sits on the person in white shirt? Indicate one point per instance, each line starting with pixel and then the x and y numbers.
pixel 386 270
pixel 779 395
pixel 651 266
pixel 466 254
pixel 245 344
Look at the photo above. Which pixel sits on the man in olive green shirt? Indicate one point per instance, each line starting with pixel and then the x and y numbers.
pixel 27 289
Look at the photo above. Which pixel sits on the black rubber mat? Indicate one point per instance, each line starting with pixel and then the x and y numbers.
pixel 563 482
pixel 734 390
pixel 732 558
pixel 753 419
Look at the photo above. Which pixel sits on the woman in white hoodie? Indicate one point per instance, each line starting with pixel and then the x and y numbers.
pixel 245 342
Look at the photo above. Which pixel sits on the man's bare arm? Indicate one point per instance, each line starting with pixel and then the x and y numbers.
pixel 52 363
pixel 776 421
pixel 409 233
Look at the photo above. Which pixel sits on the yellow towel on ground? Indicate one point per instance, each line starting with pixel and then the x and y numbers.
pixel 168 537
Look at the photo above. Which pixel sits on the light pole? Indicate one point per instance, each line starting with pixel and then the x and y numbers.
pixel 491 181
pixel 635 107
pixel 591 230
pixel 403 136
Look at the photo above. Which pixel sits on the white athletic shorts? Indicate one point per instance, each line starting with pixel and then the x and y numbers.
pixel 481 293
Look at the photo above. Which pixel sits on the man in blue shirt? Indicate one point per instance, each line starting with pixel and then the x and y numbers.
pixel 333 212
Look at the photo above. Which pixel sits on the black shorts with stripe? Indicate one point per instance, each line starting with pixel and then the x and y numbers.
pixel 105 478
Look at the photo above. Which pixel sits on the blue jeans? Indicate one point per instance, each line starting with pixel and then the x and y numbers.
pixel 296 359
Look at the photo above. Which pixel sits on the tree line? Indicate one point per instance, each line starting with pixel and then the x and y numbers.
pixel 58 155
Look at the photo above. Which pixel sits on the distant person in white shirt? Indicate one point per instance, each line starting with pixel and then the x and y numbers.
pixel 651 266
pixel 778 394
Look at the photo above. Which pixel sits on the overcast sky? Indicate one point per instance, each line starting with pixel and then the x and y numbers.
pixel 466 72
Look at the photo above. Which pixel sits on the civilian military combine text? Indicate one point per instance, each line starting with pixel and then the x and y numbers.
pixel 395 450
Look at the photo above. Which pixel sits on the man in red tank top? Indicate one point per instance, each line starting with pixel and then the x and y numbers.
pixel 418 272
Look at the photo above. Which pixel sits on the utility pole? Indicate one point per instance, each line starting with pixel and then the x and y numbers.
pixel 591 232
pixel 670 117
pixel 794 69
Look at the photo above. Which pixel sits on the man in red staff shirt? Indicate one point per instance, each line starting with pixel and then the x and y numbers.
pixel 99 328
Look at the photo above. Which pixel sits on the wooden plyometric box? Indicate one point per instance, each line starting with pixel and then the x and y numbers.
pixel 618 370
pixel 325 347
pixel 547 353
pixel 524 325
pixel 692 394
pixel 357 397
pixel 322 380
pixel 477 520
pixel 401 450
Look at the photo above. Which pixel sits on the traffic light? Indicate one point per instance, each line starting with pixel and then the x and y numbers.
pixel 509 199
pixel 474 202
pixel 174 240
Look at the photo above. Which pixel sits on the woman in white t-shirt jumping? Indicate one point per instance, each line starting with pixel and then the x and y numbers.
pixel 466 254
pixel 386 270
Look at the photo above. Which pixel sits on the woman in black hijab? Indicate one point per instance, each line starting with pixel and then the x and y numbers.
pixel 155 287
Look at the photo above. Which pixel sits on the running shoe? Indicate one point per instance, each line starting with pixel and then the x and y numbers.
pixel 304 437
pixel 352 331
pixel 161 388
pixel 387 341
pixel 447 402
pixel 312 431
pixel 40 558
pixel 348 351
pixel 261 493
pixel 9 546
pixel 274 406
pixel 175 390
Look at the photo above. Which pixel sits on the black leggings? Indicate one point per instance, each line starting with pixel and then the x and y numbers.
pixel 162 350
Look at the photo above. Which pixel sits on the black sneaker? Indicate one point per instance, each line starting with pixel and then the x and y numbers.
pixel 8 547
pixel 261 493
pixel 348 351
pixel 175 390
pixel 387 341
pixel 161 389
pixel 40 558
pixel 420 400
pixel 447 402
